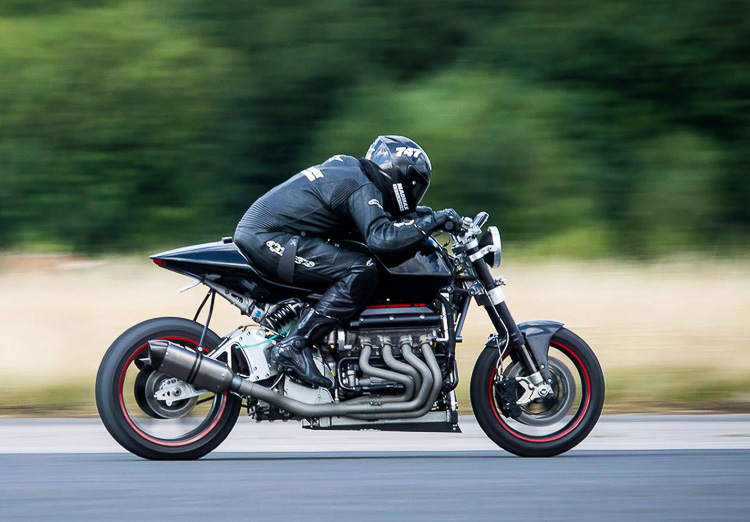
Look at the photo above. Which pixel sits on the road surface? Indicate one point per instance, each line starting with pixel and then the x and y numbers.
pixel 625 471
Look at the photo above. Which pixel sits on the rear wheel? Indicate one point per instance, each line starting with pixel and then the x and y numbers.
pixel 549 426
pixel 149 413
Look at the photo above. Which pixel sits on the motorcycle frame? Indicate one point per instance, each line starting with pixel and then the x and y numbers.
pixel 527 342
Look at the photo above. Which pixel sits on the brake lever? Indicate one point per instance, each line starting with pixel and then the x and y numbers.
pixel 459 238
pixel 481 219
pixel 470 227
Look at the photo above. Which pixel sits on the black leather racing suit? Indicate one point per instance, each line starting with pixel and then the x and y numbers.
pixel 329 200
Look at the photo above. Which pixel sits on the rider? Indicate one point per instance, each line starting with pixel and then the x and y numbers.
pixel 284 235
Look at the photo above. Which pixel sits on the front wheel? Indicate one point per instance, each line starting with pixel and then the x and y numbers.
pixel 155 416
pixel 545 427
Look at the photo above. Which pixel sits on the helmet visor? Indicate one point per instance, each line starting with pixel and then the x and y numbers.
pixel 417 187
pixel 417 192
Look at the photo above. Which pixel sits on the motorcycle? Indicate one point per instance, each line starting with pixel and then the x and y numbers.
pixel 170 388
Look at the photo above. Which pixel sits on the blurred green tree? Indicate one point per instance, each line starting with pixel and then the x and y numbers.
pixel 585 128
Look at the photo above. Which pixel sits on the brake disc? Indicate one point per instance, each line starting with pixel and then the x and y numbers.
pixel 549 410
pixel 139 391
pixel 172 406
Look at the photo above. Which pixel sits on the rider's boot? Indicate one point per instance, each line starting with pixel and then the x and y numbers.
pixel 294 353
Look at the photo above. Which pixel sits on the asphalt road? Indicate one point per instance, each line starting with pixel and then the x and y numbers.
pixel 631 467
pixel 581 485
pixel 613 432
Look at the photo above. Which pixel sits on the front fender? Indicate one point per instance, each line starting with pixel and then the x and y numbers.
pixel 538 334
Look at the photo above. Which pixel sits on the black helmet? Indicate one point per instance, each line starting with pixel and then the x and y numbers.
pixel 404 172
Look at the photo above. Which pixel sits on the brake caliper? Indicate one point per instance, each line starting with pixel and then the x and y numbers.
pixel 507 391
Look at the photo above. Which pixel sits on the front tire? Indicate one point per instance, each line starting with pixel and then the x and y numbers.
pixel 527 437
pixel 119 397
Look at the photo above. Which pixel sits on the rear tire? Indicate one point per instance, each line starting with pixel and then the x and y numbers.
pixel 498 427
pixel 118 419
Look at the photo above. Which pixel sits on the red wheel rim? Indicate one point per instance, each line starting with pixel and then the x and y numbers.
pixel 563 432
pixel 141 433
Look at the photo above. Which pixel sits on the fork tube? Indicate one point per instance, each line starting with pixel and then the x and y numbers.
pixel 499 313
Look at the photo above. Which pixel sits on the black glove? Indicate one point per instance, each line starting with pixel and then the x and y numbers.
pixel 417 213
pixel 448 220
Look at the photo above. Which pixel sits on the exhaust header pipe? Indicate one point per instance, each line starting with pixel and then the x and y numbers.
pixel 214 376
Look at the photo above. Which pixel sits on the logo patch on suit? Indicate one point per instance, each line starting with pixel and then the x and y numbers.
pixel 312 173
pixel 375 203
pixel 404 223
pixel 277 249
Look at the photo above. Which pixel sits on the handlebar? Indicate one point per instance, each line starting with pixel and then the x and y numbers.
pixel 466 225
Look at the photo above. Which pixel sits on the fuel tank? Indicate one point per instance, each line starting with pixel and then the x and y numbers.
pixel 421 275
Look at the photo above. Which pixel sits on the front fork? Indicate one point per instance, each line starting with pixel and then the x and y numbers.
pixel 502 320
pixel 538 382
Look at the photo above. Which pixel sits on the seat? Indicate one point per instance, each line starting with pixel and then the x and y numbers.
pixel 224 259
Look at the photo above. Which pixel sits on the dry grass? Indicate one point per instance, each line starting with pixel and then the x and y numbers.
pixel 672 335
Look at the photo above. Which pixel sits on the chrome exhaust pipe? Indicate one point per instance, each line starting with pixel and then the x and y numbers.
pixel 435 381
pixel 189 366
pixel 371 410
pixel 404 374
pixel 214 376
pixel 398 366
pixel 400 378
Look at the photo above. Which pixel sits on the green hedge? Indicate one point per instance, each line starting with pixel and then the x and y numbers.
pixel 585 128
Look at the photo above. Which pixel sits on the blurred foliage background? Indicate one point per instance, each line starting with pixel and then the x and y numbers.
pixel 587 129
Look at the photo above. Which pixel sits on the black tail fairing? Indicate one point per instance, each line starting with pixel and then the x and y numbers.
pixel 222 262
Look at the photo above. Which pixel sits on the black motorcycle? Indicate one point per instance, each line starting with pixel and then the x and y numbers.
pixel 170 388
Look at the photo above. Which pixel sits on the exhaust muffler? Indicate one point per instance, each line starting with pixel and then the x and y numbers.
pixel 189 366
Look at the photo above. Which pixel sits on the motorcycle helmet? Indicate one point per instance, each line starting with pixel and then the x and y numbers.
pixel 403 172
